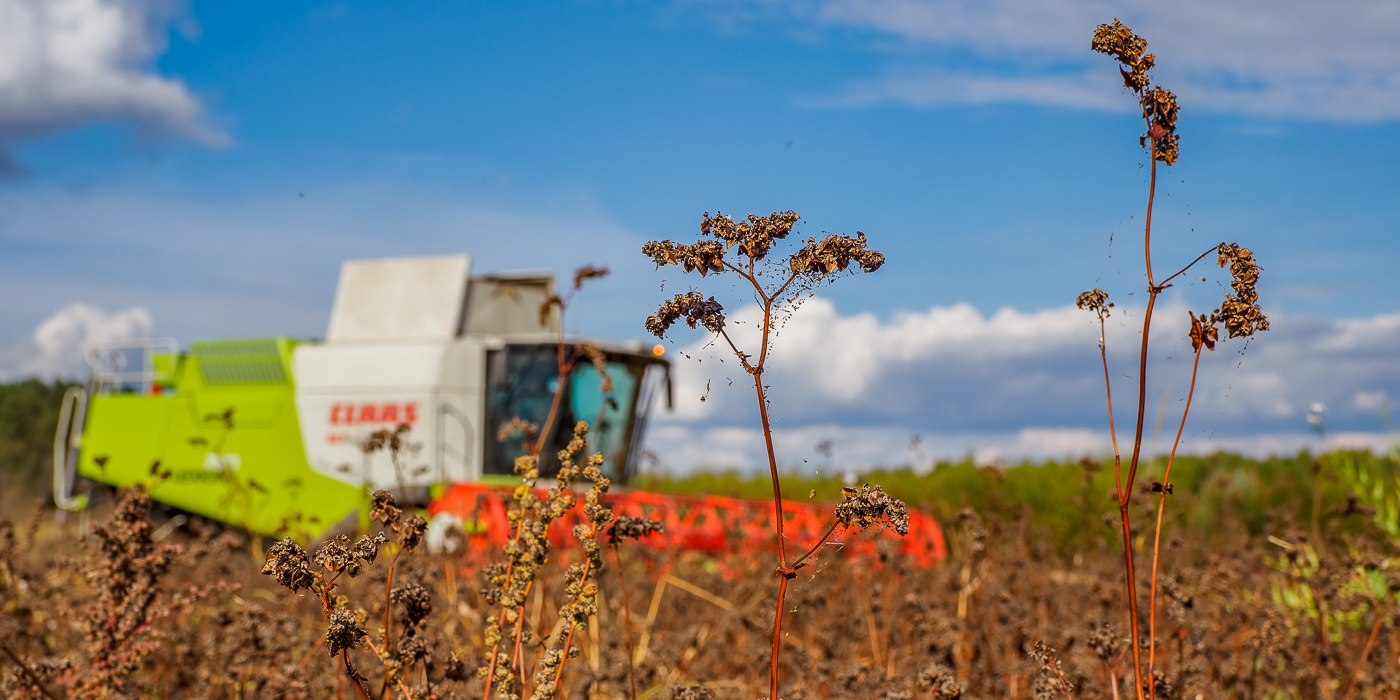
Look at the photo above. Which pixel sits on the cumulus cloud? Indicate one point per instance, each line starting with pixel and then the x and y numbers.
pixel 1335 61
pixel 59 344
pixel 1015 384
pixel 65 63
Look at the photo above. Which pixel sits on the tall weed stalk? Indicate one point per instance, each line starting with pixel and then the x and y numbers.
pixel 788 282
pixel 1239 313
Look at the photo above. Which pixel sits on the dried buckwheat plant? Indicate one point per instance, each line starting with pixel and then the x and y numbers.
pixel 777 285
pixel 1239 313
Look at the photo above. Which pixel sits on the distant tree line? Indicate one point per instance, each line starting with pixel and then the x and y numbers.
pixel 28 419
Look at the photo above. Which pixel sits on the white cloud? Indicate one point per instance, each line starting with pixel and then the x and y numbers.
pixel 59 344
pixel 682 449
pixel 928 87
pixel 65 63
pixel 1015 384
pixel 1289 58
pixel 1370 401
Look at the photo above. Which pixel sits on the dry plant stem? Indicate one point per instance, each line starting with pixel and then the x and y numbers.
pixel 757 371
pixel 1360 664
pixel 345 656
pixel 568 639
pixel 408 695
pixel 627 627
pixel 1064 685
pixel 309 653
pixel 773 467
pixel 1126 490
pixel 486 693
pixel 1108 390
pixel 388 586
pixel 777 640
pixel 1157 537
pixel 49 694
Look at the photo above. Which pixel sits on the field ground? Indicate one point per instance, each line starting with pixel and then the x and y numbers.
pixel 1274 579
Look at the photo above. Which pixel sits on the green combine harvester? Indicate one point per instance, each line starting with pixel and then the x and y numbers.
pixel 270 434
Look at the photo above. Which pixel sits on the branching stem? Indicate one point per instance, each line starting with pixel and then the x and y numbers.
pixel 34 678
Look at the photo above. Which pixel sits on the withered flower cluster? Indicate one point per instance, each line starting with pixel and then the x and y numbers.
pixel 392 440
pixel 344 632
pixel 869 505
pixel 834 254
pixel 1052 677
pixel 1095 300
pixel 626 527
pixel 1159 106
pixel 1240 311
pixel 384 508
pixel 517 426
pixel 287 563
pixel 600 363
pixel 705 256
pixel 1130 49
pixel 692 691
pixel 588 272
pixel 417 604
pixel 339 555
pixel 942 681
pixel 1105 641
pixel 754 237
pixel 693 308
pixel 1203 332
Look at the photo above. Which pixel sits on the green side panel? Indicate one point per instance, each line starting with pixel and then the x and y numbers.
pixel 225 433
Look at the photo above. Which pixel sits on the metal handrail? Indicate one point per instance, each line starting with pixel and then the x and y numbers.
pixel 444 450
pixel 66 442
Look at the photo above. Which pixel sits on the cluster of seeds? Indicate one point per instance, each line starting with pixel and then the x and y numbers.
pixel 755 236
pixel 835 253
pixel 1095 300
pixel 1159 106
pixel 705 256
pixel 869 505
pixel 693 307
pixel 1240 311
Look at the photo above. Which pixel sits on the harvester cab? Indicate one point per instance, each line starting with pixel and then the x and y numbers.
pixel 270 434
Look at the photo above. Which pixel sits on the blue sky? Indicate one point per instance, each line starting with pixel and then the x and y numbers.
pixel 212 164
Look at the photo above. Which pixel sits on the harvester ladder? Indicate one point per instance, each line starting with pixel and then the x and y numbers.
pixel 66 442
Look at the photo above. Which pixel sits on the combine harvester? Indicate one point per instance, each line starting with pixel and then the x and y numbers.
pixel 270 434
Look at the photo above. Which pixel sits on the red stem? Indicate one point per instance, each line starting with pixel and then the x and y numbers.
pixel 1380 617
pixel 1108 391
pixel 1157 538
pixel 1126 491
pixel 777 640
pixel 345 655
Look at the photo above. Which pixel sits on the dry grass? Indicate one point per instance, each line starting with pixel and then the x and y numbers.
pixel 217 628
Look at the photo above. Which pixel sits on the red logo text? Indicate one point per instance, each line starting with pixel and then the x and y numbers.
pixel 391 412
